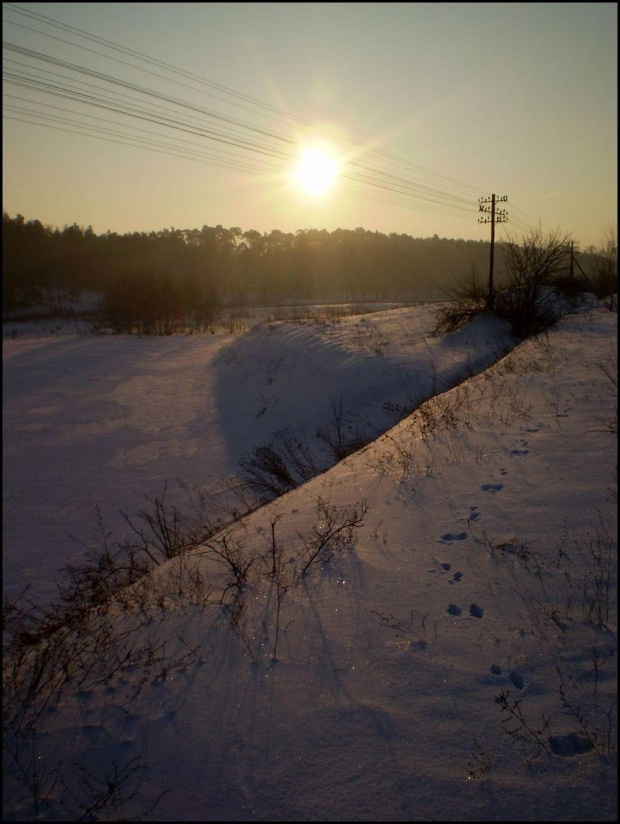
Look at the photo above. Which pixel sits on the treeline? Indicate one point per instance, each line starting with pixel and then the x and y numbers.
pixel 199 268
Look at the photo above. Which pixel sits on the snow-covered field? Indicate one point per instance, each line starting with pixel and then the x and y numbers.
pixel 450 656
pixel 106 420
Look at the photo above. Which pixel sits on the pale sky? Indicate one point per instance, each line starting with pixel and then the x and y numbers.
pixel 465 99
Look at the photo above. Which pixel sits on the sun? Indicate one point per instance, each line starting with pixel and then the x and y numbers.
pixel 317 171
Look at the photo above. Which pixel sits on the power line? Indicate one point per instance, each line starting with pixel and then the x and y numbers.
pixel 146 58
pixel 29 80
pixel 103 102
pixel 267 107
pixel 41 85
pixel 375 177
pixel 242 136
pixel 210 162
pixel 138 140
pixel 34 112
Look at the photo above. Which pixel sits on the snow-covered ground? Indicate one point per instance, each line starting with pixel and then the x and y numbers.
pixel 451 656
pixel 106 420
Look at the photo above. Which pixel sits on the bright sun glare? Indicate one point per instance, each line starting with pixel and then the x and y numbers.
pixel 316 171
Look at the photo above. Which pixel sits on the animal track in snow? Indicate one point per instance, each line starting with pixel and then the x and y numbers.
pixel 476 611
pixel 495 669
pixel 446 566
pixel 491 487
pixel 449 537
pixel 454 610
pixel 517 680
pixel 522 443
pixel 473 515
pixel 456 578
pixel 566 746
pixel 503 471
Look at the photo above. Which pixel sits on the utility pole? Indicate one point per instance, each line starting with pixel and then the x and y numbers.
pixel 585 277
pixel 497 216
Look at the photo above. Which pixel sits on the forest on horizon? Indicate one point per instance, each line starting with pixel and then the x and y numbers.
pixel 163 276
pixel 229 264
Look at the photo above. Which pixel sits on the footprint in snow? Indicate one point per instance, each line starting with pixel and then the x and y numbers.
pixel 519 451
pixel 476 611
pixel 567 746
pixel 495 669
pixel 449 537
pixel 503 471
pixel 491 487
pixel 454 610
pixel 456 578
pixel 517 680
pixel 446 566
pixel 473 515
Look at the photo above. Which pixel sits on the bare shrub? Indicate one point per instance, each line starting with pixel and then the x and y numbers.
pixel 412 630
pixel 418 391
pixel 233 557
pixel 287 461
pixel 236 615
pixel 609 368
pixel 604 275
pixel 164 533
pixel 534 283
pixel 594 722
pixel 92 633
pixel 107 568
pixel 521 728
pixel 334 530
pixel 463 303
pixel 401 456
pixel 481 761
pixel 597 549
pixel 24 764
pixel 267 472
pixel 340 435
pixel 278 577
pixel 47 647
pixel 527 297
pixel 570 606
pixel 105 795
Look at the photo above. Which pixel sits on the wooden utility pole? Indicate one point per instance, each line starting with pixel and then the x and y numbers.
pixel 497 216
pixel 585 277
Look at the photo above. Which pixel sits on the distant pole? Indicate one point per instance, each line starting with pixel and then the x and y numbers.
pixel 500 216
pixel 585 277
pixel 571 273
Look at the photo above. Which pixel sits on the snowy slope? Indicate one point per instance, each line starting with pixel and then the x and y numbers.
pixel 106 420
pixel 485 571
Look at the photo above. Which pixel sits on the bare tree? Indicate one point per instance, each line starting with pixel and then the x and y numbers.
pixel 531 263
pixel 605 270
